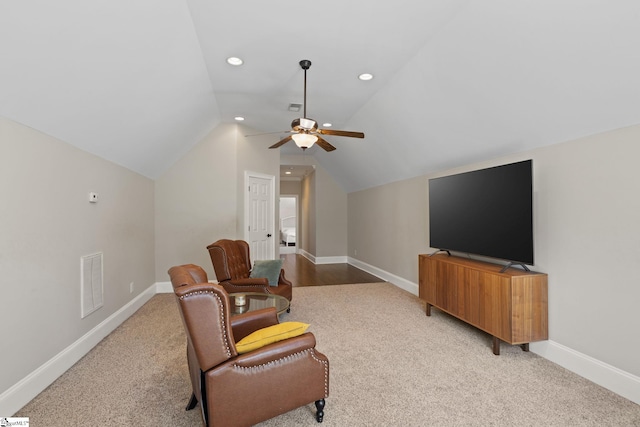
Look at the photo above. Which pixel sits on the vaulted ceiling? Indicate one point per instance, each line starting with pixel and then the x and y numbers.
pixel 139 82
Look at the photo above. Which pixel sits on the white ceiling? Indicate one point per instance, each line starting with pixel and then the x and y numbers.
pixel 139 82
pixel 295 172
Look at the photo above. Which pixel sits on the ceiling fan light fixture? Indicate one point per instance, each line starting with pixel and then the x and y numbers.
pixel 304 140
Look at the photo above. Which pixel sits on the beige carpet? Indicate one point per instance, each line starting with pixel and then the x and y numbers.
pixel 390 366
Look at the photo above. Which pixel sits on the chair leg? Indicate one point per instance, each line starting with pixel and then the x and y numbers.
pixel 320 410
pixel 192 402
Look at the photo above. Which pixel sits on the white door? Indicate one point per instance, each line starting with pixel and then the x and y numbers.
pixel 259 215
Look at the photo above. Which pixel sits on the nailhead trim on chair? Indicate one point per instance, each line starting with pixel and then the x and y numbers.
pixel 226 338
pixel 289 357
pixel 326 372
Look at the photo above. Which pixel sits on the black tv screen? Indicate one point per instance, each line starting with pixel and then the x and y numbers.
pixel 487 212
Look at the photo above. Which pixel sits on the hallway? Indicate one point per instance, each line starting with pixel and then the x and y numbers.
pixel 302 272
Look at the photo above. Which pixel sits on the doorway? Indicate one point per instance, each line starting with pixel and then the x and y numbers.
pixel 288 224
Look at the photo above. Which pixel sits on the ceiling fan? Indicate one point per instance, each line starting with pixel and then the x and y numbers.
pixel 305 131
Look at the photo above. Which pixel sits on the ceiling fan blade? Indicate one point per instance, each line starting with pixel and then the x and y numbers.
pixel 281 142
pixel 341 133
pixel 324 144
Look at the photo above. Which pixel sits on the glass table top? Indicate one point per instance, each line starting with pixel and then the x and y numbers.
pixel 255 301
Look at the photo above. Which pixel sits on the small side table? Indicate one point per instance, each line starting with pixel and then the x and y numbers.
pixel 255 301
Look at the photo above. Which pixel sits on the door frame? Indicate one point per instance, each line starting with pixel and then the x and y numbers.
pixel 272 183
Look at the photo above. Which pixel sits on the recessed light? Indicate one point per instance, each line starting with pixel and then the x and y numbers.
pixel 365 76
pixel 234 61
pixel 239 118
pixel 287 173
pixel 327 125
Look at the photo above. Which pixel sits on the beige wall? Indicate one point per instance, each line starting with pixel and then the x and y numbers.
pixel 46 225
pixel 586 210
pixel 388 225
pixel 196 203
pixel 308 209
pixel 331 216
pixel 200 199
pixel 290 188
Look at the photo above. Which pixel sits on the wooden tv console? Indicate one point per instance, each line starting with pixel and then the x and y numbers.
pixel 511 305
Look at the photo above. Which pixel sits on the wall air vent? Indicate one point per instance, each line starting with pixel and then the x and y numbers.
pixel 91 289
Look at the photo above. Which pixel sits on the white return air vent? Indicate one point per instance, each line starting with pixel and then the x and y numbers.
pixel 92 293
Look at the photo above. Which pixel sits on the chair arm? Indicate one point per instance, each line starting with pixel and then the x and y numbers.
pixel 283 280
pixel 275 351
pixel 270 381
pixel 246 323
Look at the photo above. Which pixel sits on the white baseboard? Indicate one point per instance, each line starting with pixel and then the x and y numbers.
pixel 385 275
pixel 323 260
pixel 164 287
pixel 307 255
pixel 603 374
pixel 331 260
pixel 33 384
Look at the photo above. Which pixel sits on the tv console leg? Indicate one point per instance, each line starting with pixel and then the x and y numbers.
pixel 496 346
pixel 525 346
pixel 428 309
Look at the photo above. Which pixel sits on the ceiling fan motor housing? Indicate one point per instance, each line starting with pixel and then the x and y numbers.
pixel 304 124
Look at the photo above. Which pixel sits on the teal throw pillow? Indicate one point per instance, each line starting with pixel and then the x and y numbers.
pixel 269 268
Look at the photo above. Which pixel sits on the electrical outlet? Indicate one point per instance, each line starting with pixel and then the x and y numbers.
pixel 131 287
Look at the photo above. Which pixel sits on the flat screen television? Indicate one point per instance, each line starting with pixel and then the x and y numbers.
pixel 487 212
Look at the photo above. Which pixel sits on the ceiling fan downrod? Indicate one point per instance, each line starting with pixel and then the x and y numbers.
pixel 305 64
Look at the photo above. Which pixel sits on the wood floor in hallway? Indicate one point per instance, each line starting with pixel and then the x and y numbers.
pixel 302 272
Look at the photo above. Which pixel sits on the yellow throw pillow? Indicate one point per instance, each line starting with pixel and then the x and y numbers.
pixel 269 335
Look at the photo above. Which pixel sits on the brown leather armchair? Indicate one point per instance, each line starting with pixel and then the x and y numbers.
pixel 182 275
pixel 232 264
pixel 242 390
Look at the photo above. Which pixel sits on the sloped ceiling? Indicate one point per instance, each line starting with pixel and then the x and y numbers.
pixel 140 82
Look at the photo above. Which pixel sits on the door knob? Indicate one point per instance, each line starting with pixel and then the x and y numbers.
pixel 268 235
